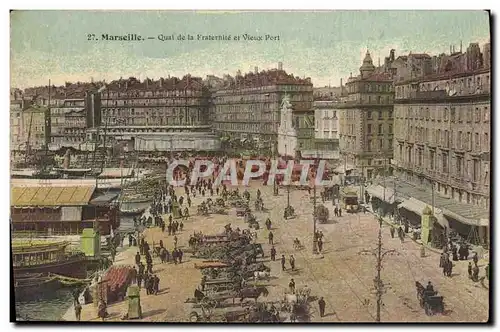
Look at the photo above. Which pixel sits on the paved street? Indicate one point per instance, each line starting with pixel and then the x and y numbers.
pixel 342 276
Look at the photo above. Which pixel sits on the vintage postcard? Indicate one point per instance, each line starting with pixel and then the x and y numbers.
pixel 250 166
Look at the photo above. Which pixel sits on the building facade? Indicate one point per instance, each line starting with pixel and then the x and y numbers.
pixel 30 128
pixel 248 106
pixel 326 129
pixel 366 120
pixel 69 123
pixel 442 139
pixel 137 114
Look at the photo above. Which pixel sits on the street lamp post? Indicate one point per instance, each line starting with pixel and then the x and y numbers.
pixel 274 148
pixel 379 253
pixel 315 238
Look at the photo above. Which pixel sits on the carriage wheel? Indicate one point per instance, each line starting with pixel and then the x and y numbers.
pixel 194 317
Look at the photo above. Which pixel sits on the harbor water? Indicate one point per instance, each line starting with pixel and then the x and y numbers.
pixel 52 307
pixel 48 307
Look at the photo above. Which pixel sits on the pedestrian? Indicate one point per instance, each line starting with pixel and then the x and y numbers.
pixel 271 237
pixel 273 253
pixel 336 212
pixel 292 262
pixel 102 311
pixel 469 270
pixel 291 285
pixel 179 254
pixel 322 306
pixel 174 256
pixel 175 241
pixel 454 252
pixel 320 245
pixel 189 201
pixel 475 258
pixel 78 310
pixel 113 252
pixel 340 212
pixel 392 232
pixel 139 279
pixel 137 258
pixel 130 240
pixel 217 190
pixel 134 274
pixel 283 262
pixel 181 225
pixel 156 285
pixel 475 273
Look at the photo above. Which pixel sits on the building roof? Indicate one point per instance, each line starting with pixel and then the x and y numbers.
pixel 51 196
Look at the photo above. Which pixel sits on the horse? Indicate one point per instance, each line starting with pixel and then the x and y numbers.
pixel 252 293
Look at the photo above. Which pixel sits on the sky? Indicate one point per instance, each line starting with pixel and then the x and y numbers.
pixel 323 45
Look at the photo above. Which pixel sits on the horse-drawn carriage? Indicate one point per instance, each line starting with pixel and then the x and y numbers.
pixel 322 214
pixel 429 300
pixel 242 210
pixel 216 300
pixel 289 212
pixel 252 221
pixel 202 209
pixel 256 313
pixel 259 204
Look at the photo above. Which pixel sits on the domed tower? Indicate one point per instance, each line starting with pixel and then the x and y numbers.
pixel 367 68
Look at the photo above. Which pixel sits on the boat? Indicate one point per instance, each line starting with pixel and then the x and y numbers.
pixel 35 284
pixel 39 256
pixel 132 212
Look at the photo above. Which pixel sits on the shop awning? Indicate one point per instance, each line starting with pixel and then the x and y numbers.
pixel 484 222
pixel 418 207
pixel 378 191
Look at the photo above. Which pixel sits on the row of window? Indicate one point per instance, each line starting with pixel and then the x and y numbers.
pixel 369 87
pixel 469 169
pixel 380 129
pixel 177 112
pixel 156 93
pixel 450 139
pixel 456 84
pixel 379 145
pixel 153 102
pixel 478 114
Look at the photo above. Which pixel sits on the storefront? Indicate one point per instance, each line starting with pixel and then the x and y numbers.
pixel 383 200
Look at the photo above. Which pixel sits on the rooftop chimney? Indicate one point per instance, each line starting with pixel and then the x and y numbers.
pixel 256 69
pixel 280 65
pixel 450 50
pixel 340 84
pixel 460 46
